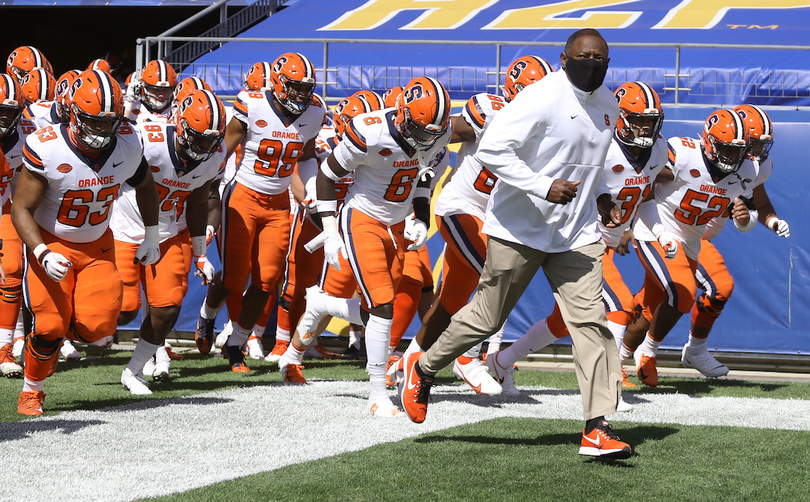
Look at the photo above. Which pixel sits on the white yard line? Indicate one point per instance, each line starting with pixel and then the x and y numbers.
pixel 159 447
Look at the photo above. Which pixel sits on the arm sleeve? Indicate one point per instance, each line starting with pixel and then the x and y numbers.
pixel 140 173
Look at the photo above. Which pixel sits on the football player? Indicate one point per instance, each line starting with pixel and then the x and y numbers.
pixel 705 178
pixel 279 126
pixel 51 113
pixel 634 160
pixel 149 93
pixel 38 85
pixel 388 151
pixel 185 157
pixel 24 59
pixel 72 175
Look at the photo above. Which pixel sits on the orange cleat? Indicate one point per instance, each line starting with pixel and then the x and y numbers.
pixel 647 371
pixel 416 389
pixel 293 373
pixel 30 403
pixel 627 384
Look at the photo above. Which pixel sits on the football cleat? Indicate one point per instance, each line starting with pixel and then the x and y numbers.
pixel 149 367
pixel 30 403
pixel 222 337
pixel 623 405
pixel 134 383
pixel 69 352
pixel 393 376
pixel 384 408
pixel 292 373
pixel 204 336
pixel 161 371
pixel 415 389
pixel 476 375
pixel 17 350
pixel 278 350
pixel 603 442
pixel 8 365
pixel 627 384
pixel 174 356
pixel 646 370
pixel 701 360
pixel 316 351
pixel 498 371
pixel 254 348
pixel 236 359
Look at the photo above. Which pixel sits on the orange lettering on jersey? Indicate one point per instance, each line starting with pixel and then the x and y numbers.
pixel 175 183
pixel 286 135
pixel 101 180
pixel 638 180
pixel 406 163
pixel 712 189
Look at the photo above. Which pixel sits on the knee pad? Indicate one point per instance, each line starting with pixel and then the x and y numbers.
pixel 284 302
pixel 11 294
pixel 709 305
pixel 41 349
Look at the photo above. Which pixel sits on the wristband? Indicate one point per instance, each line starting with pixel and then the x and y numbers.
pixel 772 222
pixel 40 252
pixel 198 246
pixel 326 206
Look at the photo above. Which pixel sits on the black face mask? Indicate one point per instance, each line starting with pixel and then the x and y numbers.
pixel 586 74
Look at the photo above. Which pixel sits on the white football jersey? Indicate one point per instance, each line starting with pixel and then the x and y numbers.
pixel 386 168
pixel 81 190
pixel 274 141
pixel 12 146
pixel 142 113
pixel 687 204
pixel 42 114
pixel 175 179
pixel 469 189
pixel 629 182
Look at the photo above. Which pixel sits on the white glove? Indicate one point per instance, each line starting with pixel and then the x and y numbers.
pixel 668 243
pixel 415 231
pixel 205 269
pixel 333 244
pixel 55 265
pixel 781 227
pixel 134 87
pixel 210 233
pixel 148 252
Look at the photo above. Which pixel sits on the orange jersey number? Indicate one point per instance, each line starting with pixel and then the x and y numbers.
pixel 74 211
pixel 630 197
pixel 401 185
pixel 154 133
pixel 172 200
pixel 277 158
pixel 485 181
pixel 692 215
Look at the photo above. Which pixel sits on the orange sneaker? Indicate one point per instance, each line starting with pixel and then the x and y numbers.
pixel 603 442
pixel 278 350
pixel 30 403
pixel 416 389
pixel 8 364
pixel 293 373
pixel 627 384
pixel 647 371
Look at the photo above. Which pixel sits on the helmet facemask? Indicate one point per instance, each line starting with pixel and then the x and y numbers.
pixel 157 97
pixel 94 132
pixel 727 157
pixel 760 148
pixel 420 137
pixel 640 129
pixel 198 146
pixel 9 116
pixel 296 95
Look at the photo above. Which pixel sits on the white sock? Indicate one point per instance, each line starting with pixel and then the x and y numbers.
pixel 142 353
pixel 624 353
pixel 258 331
pixel 162 356
pixel 536 338
pixel 696 343
pixel 33 385
pixel 345 308
pixel 293 355
pixel 354 338
pixel 239 336
pixel 495 340
pixel 473 351
pixel 283 335
pixel 412 347
pixel 208 312
pixel 19 329
pixel 649 347
pixel 618 331
pixel 6 336
pixel 378 334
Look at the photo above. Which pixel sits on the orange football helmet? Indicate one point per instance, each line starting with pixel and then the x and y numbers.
pixel 258 77
pixel 347 109
pixel 725 140
pixel 640 114
pixel 373 99
pixel 38 85
pixel 293 78
pixel 187 86
pixel 158 80
pixel 12 104
pixel 61 94
pixel 200 122
pixel 96 110
pixel 760 130
pixel 522 72
pixel 391 95
pixel 99 64
pixel 423 112
pixel 24 59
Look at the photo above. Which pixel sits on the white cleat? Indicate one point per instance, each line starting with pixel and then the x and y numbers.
pixel 149 368
pixel 623 405
pixel 254 348
pixel 701 360
pixel 160 372
pixel 135 384
pixel 477 376
pixel 384 408
pixel 222 337
pixel 17 348
pixel 69 352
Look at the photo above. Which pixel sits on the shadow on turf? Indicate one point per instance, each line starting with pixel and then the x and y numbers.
pixel 702 386
pixel 10 431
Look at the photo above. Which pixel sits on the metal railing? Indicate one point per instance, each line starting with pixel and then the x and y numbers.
pixel 678 83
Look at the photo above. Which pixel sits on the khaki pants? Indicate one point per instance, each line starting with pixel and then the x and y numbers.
pixel 575 278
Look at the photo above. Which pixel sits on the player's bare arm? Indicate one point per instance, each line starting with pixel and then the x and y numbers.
pixel 147 196
pixel 214 205
pixel 767 214
pixel 462 131
pixel 297 187
pixel 234 135
pixel 309 150
pixel 30 191
pixel 197 209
